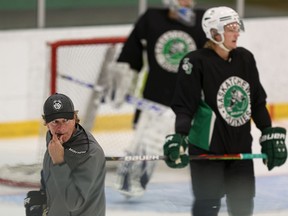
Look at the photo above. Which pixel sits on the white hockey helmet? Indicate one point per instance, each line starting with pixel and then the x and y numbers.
pixel 184 12
pixel 217 18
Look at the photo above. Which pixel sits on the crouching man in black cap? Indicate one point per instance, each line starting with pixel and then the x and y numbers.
pixel 73 174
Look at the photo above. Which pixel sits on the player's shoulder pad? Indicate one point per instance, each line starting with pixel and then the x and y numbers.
pixel 151 11
pixel 198 54
pixel 199 11
pixel 245 53
pixel 243 50
pixel 152 15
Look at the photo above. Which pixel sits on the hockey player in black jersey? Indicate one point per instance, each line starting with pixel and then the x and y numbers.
pixel 158 41
pixel 218 94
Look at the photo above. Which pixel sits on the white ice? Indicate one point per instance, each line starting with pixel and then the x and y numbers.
pixel 167 194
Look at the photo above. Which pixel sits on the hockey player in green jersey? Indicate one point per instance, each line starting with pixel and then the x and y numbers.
pixel 218 94
pixel 162 36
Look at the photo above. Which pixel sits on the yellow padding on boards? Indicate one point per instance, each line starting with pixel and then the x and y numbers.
pixel 113 123
pixel 19 129
pixel 278 111
pixel 107 123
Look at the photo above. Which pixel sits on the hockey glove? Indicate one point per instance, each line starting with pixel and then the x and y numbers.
pixel 124 81
pixel 35 203
pixel 174 149
pixel 273 145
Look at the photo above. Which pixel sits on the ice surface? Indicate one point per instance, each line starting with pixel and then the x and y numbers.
pixel 169 192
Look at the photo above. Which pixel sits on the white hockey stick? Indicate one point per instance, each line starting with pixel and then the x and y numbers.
pixel 140 103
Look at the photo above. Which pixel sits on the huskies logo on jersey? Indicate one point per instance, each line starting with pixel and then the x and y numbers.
pixel 233 101
pixel 171 47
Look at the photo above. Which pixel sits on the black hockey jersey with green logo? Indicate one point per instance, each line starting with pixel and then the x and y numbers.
pixel 215 100
pixel 166 41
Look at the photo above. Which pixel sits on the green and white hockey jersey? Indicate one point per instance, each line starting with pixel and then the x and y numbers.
pixel 215 100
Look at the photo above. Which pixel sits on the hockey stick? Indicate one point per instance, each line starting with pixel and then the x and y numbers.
pixel 243 156
pixel 140 103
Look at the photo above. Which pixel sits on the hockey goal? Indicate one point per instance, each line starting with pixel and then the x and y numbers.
pixel 77 68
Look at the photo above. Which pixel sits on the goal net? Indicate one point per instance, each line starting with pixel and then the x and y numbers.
pixel 77 68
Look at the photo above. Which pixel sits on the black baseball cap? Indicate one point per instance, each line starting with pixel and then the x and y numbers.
pixel 58 106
